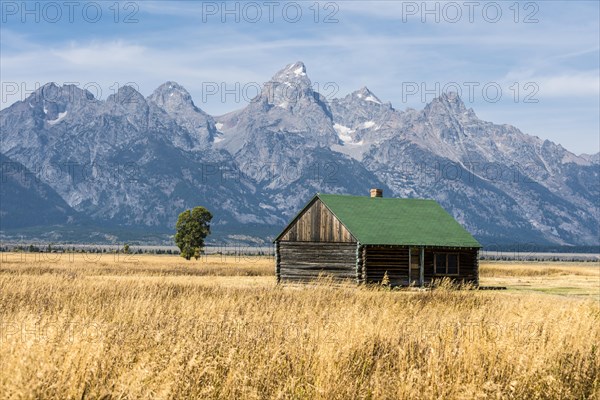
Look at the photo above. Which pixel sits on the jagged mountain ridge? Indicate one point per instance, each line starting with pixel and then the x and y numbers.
pixel 140 161
pixel 26 201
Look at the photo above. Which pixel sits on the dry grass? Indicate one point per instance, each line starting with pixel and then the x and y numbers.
pixel 103 264
pixel 559 278
pixel 533 269
pixel 165 328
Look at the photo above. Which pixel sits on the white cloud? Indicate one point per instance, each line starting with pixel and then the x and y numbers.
pixel 569 85
pixel 101 54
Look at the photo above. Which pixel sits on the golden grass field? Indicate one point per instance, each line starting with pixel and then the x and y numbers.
pixel 76 326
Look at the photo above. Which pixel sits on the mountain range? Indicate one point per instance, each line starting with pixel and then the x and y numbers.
pixel 71 161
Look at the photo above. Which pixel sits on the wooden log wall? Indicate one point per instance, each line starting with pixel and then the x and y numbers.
pixel 305 261
pixel 468 268
pixel 277 263
pixel 476 256
pixel 393 259
pixel 359 263
pixel 363 260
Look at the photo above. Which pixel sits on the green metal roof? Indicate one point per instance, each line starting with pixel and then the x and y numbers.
pixel 389 221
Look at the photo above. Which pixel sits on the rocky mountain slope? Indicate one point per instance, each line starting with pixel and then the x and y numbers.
pixel 26 201
pixel 138 162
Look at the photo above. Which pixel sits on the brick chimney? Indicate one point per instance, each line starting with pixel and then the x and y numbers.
pixel 376 192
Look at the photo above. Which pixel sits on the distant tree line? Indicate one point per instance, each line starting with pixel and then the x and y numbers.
pixel 224 250
pixel 32 248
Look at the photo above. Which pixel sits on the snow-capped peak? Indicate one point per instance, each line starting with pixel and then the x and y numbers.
pixel 171 96
pixel 292 74
pixel 450 101
pixel 288 87
pixel 171 89
pixel 59 94
pixel 297 68
pixel 365 94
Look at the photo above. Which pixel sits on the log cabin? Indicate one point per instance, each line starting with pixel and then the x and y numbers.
pixel 363 238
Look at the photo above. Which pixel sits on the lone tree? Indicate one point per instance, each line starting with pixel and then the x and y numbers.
pixel 192 227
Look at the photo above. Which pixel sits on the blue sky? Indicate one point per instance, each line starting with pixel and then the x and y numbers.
pixel 544 57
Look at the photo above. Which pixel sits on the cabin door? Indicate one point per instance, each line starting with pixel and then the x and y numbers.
pixel 415 262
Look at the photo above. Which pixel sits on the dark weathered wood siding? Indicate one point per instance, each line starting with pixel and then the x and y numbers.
pixel 381 259
pixel 317 224
pixel 468 269
pixel 377 260
pixel 304 261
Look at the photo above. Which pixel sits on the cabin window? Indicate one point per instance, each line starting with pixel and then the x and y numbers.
pixel 446 263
